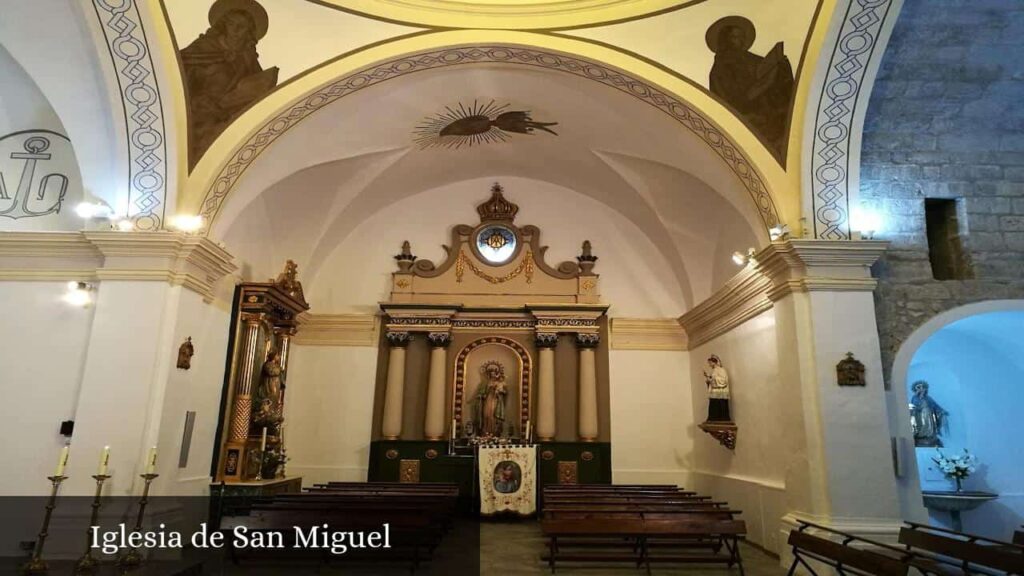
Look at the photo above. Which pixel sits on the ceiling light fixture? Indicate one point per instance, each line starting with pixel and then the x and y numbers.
pixel 779 232
pixel 742 259
pixel 187 223
pixel 90 210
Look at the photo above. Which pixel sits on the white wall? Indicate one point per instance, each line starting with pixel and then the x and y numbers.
pixel 197 389
pixel 752 478
pixel 44 347
pixel 329 412
pixel 652 417
pixel 975 370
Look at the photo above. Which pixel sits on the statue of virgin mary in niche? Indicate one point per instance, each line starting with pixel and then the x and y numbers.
pixel 489 404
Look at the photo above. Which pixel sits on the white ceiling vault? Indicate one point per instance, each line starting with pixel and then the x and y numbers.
pixel 638 131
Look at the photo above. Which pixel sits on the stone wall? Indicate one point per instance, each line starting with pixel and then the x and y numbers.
pixel 946 120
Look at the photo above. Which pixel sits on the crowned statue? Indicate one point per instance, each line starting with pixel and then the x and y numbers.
pixel 928 420
pixel 489 404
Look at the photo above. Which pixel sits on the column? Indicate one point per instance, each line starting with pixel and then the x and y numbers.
pixel 434 422
pixel 242 412
pixel 546 426
pixel 391 426
pixel 839 462
pixel 588 429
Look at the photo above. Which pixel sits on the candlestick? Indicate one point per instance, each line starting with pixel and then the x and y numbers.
pixel 37 565
pixel 87 564
pixel 104 460
pixel 133 559
pixel 62 460
pixel 526 432
pixel 263 441
pixel 151 461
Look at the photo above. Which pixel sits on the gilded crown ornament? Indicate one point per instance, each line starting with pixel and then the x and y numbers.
pixel 497 208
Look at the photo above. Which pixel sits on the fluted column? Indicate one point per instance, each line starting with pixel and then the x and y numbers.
pixel 433 423
pixel 394 391
pixel 242 411
pixel 588 428
pixel 546 425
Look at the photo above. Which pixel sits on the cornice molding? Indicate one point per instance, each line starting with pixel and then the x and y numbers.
pixel 338 330
pixel 194 262
pixel 782 268
pixel 662 334
pixel 743 297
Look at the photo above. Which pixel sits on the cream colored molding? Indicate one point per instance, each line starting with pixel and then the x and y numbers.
pixel 647 334
pixel 880 529
pixel 338 330
pixel 783 267
pixel 194 262
pixel 743 297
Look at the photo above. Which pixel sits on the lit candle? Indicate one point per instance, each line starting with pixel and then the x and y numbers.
pixel 454 430
pixel 104 460
pixel 151 461
pixel 263 441
pixel 62 461
pixel 526 432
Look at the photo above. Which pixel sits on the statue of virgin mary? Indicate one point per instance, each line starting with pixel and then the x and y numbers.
pixel 489 404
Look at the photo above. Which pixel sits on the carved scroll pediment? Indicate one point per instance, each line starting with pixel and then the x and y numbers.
pixel 496 256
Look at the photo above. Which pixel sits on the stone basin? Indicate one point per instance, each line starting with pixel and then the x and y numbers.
pixel 951 501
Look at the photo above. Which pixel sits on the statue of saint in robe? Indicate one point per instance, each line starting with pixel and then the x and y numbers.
pixel 268 399
pixel 928 420
pixel 490 401
pixel 717 381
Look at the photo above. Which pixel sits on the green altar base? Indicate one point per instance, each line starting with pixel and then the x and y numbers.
pixel 593 464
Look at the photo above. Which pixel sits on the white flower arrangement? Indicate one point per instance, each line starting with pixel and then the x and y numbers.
pixel 957 467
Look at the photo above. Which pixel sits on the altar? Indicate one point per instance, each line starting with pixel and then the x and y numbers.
pixel 492 345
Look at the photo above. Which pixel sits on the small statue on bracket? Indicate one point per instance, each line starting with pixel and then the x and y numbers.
pixel 717 381
pixel 719 423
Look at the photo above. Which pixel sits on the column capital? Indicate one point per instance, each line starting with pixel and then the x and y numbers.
pixel 546 339
pixel 439 339
pixel 398 339
pixel 587 340
pixel 805 265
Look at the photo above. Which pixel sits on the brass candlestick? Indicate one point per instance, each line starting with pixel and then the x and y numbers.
pixel 259 470
pixel 37 565
pixel 87 564
pixel 133 559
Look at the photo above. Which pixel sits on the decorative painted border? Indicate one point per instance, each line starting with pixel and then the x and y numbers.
pixel 143 110
pixel 833 126
pixel 681 112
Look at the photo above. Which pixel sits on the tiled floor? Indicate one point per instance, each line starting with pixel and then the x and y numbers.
pixel 515 548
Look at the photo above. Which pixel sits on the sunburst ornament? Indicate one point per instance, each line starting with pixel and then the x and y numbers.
pixel 469 125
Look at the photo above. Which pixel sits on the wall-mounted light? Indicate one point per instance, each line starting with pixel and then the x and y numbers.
pixel 92 210
pixel 742 259
pixel 187 223
pixel 124 225
pixel 867 221
pixel 78 294
pixel 778 232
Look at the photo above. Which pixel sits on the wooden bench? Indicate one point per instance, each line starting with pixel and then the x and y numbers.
pixel 1018 536
pixel 841 556
pixel 638 533
pixel 965 552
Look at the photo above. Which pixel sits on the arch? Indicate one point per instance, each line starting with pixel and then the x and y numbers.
pixel 909 487
pixel 525 375
pixel 224 163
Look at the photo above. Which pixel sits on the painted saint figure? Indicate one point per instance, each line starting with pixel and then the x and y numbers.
pixel 490 400
pixel 222 71
pixel 506 478
pixel 717 381
pixel 758 88
pixel 928 420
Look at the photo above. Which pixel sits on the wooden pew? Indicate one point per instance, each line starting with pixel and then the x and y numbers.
pixel 839 555
pixel 1018 536
pixel 968 553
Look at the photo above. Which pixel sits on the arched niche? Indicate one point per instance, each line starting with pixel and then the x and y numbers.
pixel 518 368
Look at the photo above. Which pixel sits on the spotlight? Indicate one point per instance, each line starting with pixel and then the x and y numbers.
pixel 742 259
pixel 186 223
pixel 89 210
pixel 78 294
pixel 779 232
pixel 866 221
pixel 125 225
